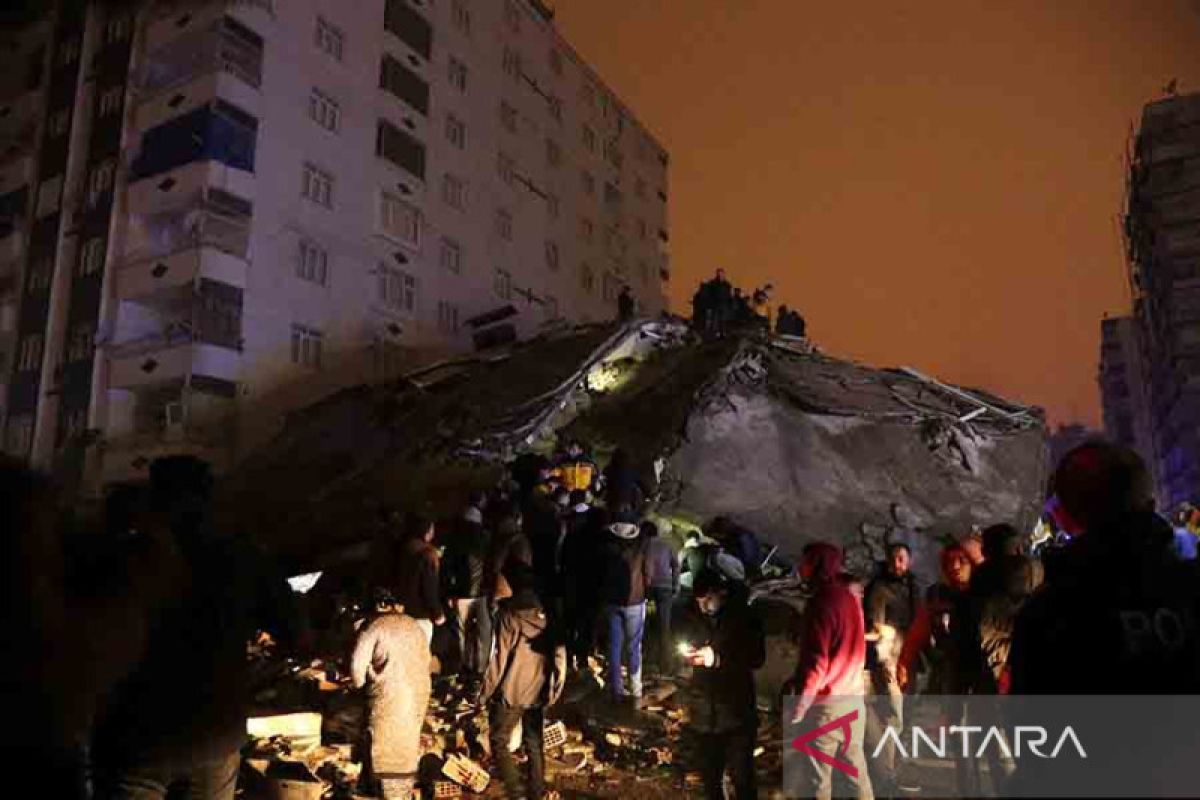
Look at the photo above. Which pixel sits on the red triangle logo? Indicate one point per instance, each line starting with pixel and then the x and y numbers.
pixel 801 743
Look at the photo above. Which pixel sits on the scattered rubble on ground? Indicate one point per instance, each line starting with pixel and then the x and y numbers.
pixel 305 740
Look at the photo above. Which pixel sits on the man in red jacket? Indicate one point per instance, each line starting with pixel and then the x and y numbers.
pixel 829 679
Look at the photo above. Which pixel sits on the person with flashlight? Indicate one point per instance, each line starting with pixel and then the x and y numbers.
pixel 724 644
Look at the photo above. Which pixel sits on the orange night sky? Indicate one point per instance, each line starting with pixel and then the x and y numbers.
pixel 935 185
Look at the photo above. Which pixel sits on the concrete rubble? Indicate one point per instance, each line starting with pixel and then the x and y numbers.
pixel 305 740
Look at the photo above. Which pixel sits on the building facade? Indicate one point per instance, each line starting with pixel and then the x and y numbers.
pixel 1123 394
pixel 1162 228
pixel 212 213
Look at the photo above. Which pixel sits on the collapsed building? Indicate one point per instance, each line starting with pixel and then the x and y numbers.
pixel 789 442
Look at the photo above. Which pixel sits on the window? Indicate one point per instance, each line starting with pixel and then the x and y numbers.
pixel 586 229
pixel 49 196
pixel 324 110
pixel 504 224
pixel 403 83
pixel 502 284
pixel 505 167
pixel 29 357
pixel 329 38
pixel 611 287
pixel 306 346
pixel 396 289
pixel 447 317
pixel 589 138
pixel 68 53
pixel 555 107
pixel 317 185
pixel 453 191
pixel 312 263
pixel 117 28
pixel 587 278
pixel 508 117
pixel 91 260
pixel 451 255
pixel 399 219
pixel 552 255
pixel 458 74
pixel 81 342
pixel 552 206
pixel 512 63
pixel 556 64
pixel 60 121
pixel 461 15
pixel 110 100
pixel 512 15
pixel 401 148
pixel 589 183
pixel 553 153
pixel 40 273
pixel 100 182
pixel 456 131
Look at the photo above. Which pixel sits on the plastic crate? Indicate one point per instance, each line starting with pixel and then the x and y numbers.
pixel 466 772
pixel 446 789
pixel 554 735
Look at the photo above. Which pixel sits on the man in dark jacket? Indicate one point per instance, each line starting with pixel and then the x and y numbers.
pixel 892 600
pixel 179 720
pixel 829 675
pixel 724 646
pixel 464 569
pixel 582 541
pixel 625 579
pixel 623 487
pixel 525 676
pixel 417 585
pixel 625 305
pixel 663 565
pixel 544 527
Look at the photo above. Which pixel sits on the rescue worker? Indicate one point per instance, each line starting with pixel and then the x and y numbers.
pixel 575 469
pixel 391 661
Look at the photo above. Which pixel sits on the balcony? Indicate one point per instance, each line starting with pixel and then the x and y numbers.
pixel 198 91
pixel 183 186
pixel 170 356
pixel 147 277
pixel 205 43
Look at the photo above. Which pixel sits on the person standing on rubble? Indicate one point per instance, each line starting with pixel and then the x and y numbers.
pixel 575 469
pixel 463 569
pixel 828 680
pixel 663 565
pixel 891 606
pixel 391 661
pixel 720 306
pixel 625 579
pixel 179 720
pixel 580 577
pixel 724 645
pixel 417 585
pixel 525 676
pixel 625 305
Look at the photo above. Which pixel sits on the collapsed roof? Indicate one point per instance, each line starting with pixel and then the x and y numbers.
pixel 782 439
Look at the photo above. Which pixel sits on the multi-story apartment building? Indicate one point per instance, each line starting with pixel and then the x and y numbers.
pixel 1123 387
pixel 213 212
pixel 1162 226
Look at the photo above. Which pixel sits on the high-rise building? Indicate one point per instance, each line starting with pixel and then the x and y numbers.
pixel 1162 227
pixel 1123 388
pixel 213 212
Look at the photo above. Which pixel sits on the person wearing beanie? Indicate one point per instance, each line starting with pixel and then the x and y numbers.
pixel 624 581
pixel 464 569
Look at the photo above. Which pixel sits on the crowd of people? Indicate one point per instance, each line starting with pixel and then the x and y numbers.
pixel 719 307
pixel 128 667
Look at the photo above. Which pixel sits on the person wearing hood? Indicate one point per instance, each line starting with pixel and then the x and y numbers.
pixel 934 629
pixel 509 545
pixel 582 539
pixel 525 676
pixel 464 568
pixel 417 584
pixel 829 675
pixel 625 579
pixel 724 645
pixel 391 661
